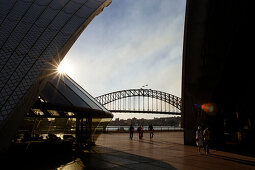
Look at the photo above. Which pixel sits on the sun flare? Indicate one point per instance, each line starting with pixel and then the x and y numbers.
pixel 65 67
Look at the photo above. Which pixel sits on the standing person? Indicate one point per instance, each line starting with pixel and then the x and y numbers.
pixel 151 130
pixel 139 131
pixel 206 134
pixel 199 138
pixel 131 131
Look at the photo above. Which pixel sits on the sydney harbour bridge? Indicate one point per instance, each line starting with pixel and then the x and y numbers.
pixel 36 35
pixel 141 101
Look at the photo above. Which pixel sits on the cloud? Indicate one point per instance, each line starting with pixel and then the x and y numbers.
pixel 131 43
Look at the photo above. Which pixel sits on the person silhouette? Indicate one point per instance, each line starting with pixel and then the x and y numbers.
pixel 199 138
pixel 206 134
pixel 151 131
pixel 131 131
pixel 140 131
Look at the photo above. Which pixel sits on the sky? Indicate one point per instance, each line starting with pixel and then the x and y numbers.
pixel 128 45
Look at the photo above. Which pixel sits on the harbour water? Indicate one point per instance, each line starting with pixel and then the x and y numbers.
pixel 156 128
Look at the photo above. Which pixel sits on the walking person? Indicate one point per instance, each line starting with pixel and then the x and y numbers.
pixel 131 131
pixel 206 134
pixel 151 131
pixel 139 131
pixel 199 138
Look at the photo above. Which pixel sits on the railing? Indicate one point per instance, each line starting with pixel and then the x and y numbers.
pixel 145 128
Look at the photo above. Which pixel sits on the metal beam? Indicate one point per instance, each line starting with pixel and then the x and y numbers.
pixel 151 112
pixel 165 97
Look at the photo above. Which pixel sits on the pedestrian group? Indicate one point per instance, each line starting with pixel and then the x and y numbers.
pixel 202 139
pixel 140 130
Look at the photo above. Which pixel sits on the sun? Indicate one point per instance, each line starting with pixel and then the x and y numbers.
pixel 65 67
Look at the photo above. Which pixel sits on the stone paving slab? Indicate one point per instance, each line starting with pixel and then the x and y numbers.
pixel 166 150
pixel 116 151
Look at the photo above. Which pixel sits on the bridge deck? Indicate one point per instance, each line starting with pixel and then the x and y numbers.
pixel 145 111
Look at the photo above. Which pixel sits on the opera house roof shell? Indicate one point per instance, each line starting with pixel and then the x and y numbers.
pixel 35 35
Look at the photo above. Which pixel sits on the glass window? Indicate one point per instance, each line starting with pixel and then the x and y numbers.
pixel 53 112
pixel 38 112
pixel 51 95
pixel 69 94
pixel 83 94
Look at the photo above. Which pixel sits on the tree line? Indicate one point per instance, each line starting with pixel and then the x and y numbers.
pixel 168 121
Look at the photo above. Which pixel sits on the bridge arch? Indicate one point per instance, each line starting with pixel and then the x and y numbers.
pixel 144 93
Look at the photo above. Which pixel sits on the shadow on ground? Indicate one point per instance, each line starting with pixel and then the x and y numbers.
pixel 97 158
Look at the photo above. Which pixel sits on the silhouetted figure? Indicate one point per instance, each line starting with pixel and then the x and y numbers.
pixel 140 131
pixel 206 134
pixel 151 131
pixel 199 138
pixel 131 131
pixel 52 138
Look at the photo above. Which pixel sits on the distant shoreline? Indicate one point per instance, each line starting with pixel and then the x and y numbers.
pixel 144 131
pixel 125 129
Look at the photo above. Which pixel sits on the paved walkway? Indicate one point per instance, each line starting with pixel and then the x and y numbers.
pixel 117 151
pixel 164 151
